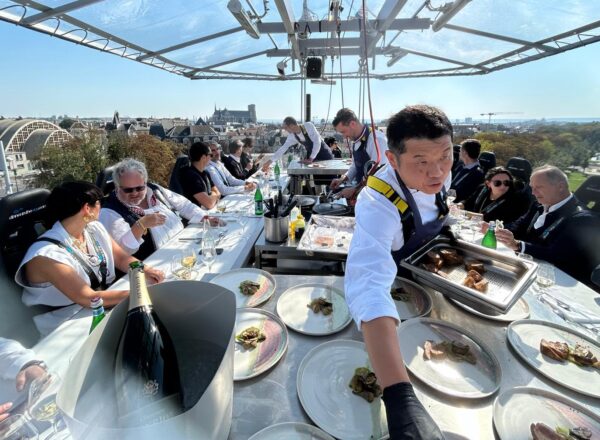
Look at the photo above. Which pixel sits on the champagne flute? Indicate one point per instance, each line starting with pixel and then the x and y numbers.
pixel 209 252
pixel 188 260
pixel 451 196
pixel 42 405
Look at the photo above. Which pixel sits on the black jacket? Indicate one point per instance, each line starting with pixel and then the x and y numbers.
pixel 507 208
pixel 569 239
pixel 466 182
pixel 235 168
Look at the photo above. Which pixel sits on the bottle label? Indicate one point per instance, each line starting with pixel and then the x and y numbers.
pixel 138 293
pixel 258 207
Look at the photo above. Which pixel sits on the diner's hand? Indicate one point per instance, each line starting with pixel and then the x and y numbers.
pixel 507 238
pixel 154 275
pixel 4 407
pixel 306 161
pixel 406 416
pixel 249 186
pixel 154 219
pixel 28 374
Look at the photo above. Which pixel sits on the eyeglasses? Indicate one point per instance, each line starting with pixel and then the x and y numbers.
pixel 497 183
pixel 134 188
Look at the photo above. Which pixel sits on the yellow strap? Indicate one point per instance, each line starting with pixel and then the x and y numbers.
pixel 388 192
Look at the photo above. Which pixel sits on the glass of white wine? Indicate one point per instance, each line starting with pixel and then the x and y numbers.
pixel 221 206
pixel 209 252
pixel 545 276
pixel 188 260
pixel 42 405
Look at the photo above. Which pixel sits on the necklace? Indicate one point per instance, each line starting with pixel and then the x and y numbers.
pixel 79 244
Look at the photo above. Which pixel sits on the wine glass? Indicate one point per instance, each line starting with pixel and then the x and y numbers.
pixel 188 260
pixel 221 206
pixel 18 427
pixel 42 405
pixel 545 276
pixel 451 196
pixel 209 252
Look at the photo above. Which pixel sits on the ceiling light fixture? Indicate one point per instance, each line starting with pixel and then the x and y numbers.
pixel 449 10
pixel 396 55
pixel 235 7
pixel 281 67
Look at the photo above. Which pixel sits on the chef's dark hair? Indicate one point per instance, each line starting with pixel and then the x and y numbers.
pixel 416 122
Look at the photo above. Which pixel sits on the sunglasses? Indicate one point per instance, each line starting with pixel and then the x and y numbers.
pixel 497 183
pixel 134 188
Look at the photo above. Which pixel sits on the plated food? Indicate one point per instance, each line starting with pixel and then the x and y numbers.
pixel 541 431
pixel 249 287
pixel 321 305
pixel 400 294
pixel 548 358
pixel 364 384
pixel 250 337
pixel 243 283
pixel 456 351
pixel 410 299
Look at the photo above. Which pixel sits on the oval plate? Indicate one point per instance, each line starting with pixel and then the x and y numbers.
pixel 519 311
pixel 292 308
pixel 525 336
pixel 291 431
pixel 231 280
pixel 458 379
pixel 418 300
pixel 322 384
pixel 516 409
pixel 251 363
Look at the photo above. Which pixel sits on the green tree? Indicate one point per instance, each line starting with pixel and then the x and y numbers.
pixel 66 123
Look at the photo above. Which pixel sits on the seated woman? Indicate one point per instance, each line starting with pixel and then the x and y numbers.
pixel 335 148
pixel 142 216
pixel 497 198
pixel 68 265
pixel 195 180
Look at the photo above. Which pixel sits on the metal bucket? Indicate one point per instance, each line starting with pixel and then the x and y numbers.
pixel 200 318
pixel 276 229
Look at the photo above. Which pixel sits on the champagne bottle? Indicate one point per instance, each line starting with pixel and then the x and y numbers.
pixel 489 239
pixel 98 314
pixel 258 202
pixel 147 378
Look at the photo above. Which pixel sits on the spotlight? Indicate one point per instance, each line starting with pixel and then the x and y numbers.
pixel 397 55
pixel 449 11
pixel 235 7
pixel 281 67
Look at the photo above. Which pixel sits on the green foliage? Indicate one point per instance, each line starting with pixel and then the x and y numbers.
pixel 66 123
pixel 575 180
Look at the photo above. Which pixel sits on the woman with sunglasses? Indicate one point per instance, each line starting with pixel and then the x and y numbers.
pixel 71 262
pixel 497 199
pixel 142 216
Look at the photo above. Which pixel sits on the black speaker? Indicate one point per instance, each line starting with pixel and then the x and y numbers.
pixel 314 67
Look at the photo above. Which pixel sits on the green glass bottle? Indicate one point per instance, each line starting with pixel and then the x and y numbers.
pixel 489 239
pixel 97 306
pixel 258 202
pixel 277 172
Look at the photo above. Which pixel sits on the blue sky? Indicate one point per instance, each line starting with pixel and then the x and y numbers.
pixel 44 76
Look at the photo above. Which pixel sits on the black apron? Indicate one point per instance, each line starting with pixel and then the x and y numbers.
pixel 361 157
pixel 323 154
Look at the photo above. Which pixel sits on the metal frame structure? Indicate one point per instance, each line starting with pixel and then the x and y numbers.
pixel 320 38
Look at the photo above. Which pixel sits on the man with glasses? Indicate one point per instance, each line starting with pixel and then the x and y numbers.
pixel 221 177
pixel 142 216
pixel 401 208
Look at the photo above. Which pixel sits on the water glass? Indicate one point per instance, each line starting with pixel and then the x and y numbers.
pixel 209 252
pixel 545 276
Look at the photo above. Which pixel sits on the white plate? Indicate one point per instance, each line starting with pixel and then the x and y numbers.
pixel 250 363
pixel 516 409
pixel 459 379
pixel 324 392
pixel 518 311
pixel 525 336
pixel 292 308
pixel 419 303
pixel 291 431
pixel 231 280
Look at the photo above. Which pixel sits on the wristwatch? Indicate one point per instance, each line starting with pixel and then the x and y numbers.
pixel 40 364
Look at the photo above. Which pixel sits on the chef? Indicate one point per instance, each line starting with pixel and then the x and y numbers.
pixel 401 208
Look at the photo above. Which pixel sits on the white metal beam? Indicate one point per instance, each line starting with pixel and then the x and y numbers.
pixel 385 18
pixel 56 12
pixel 287 16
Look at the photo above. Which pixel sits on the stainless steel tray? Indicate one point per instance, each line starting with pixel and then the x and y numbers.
pixel 327 234
pixel 508 276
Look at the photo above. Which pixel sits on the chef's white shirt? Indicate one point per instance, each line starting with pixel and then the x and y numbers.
pixel 370 268
pixel 312 133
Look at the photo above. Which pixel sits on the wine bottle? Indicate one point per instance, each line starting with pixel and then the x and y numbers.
pixel 258 202
pixel 489 239
pixel 148 386
pixel 98 314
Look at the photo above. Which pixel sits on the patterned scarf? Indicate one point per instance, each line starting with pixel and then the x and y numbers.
pixel 136 210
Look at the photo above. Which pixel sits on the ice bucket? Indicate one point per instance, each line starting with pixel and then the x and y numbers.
pixel 200 319
pixel 276 229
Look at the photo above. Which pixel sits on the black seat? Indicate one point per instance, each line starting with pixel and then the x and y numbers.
pixel 596 276
pixel 104 180
pixel 589 193
pixel 174 184
pixel 21 222
pixel 520 168
pixel 487 160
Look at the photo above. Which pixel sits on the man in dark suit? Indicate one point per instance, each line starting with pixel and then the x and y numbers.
pixel 557 229
pixel 233 161
pixel 470 176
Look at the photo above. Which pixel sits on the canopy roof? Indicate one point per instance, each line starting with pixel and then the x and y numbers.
pixel 400 38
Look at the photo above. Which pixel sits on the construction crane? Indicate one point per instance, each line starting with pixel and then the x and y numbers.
pixel 490 114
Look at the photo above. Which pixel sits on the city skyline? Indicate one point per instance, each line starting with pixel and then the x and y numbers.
pixel 48 76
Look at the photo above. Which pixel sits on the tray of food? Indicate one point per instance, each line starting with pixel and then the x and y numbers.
pixel 327 233
pixel 481 278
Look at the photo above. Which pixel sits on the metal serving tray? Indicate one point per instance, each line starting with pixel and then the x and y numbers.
pixel 327 233
pixel 508 276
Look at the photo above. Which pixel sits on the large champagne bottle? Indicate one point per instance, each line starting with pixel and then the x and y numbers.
pixel 148 386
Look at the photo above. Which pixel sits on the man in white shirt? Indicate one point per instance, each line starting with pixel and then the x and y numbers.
pixel 19 364
pixel 363 147
pixel 225 182
pixel 401 208
pixel 307 135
